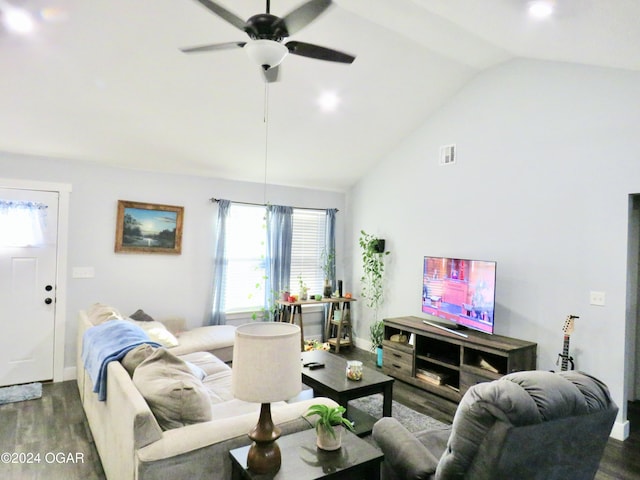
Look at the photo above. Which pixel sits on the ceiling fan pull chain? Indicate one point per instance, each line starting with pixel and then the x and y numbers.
pixel 266 138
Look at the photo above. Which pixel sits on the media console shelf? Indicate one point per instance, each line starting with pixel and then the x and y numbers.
pixel 447 364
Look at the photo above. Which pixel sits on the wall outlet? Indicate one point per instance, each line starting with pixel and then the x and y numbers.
pixel 597 298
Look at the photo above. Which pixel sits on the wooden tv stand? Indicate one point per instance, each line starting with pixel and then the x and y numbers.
pixel 447 364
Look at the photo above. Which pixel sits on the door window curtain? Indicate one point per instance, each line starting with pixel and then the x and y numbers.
pixel 220 264
pixel 279 241
pixel 22 224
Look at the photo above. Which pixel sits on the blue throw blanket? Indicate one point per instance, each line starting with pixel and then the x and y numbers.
pixel 106 342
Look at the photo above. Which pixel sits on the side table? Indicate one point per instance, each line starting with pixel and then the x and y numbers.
pixel 289 311
pixel 302 460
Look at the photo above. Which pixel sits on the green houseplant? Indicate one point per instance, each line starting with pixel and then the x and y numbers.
pixel 329 423
pixel 303 288
pixel 327 257
pixel 376 335
pixel 373 253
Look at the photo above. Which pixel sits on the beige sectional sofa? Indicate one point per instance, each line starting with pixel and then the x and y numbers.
pixel 133 445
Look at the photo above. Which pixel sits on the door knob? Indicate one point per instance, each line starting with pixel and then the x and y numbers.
pixel 48 301
pixel 48 288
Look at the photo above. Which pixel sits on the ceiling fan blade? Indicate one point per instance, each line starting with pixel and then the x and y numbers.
pixel 212 47
pixel 305 14
pixel 272 74
pixel 223 13
pixel 321 53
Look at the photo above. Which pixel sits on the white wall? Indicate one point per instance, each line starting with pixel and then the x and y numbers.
pixel 162 285
pixel 548 154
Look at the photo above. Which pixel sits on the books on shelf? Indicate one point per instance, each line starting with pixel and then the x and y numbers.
pixel 430 376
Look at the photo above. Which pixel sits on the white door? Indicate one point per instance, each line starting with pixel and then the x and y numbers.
pixel 27 285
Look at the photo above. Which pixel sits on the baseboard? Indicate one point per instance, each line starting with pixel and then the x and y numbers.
pixel 362 343
pixel 69 373
pixel 620 430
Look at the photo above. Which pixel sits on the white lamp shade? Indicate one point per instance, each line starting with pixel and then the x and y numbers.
pixel 266 362
pixel 266 53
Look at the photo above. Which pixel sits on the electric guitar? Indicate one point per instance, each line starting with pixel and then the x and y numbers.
pixel 564 356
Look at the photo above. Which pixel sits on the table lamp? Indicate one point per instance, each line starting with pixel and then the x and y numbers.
pixel 266 368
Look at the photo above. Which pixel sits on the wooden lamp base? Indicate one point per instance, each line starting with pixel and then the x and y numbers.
pixel 264 454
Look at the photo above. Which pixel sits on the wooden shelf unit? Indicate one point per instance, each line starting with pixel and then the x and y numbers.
pixel 447 364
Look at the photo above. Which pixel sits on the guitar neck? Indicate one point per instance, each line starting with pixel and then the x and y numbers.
pixel 565 354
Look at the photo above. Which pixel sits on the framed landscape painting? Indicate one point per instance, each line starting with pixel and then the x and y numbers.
pixel 148 228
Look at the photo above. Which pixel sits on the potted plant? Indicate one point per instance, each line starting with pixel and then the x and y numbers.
pixel 373 254
pixel 328 260
pixel 329 425
pixel 376 335
pixel 303 288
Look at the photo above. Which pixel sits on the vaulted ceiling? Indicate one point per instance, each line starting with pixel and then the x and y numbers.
pixel 104 80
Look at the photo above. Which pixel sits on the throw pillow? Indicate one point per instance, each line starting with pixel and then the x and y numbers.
pixel 141 316
pixel 136 356
pixel 158 333
pixel 175 396
pixel 99 313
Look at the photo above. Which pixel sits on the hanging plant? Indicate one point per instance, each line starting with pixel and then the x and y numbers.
pixel 373 254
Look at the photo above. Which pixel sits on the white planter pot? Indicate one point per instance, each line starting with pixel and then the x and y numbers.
pixel 327 442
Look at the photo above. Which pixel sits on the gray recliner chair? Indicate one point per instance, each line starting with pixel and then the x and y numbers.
pixel 527 425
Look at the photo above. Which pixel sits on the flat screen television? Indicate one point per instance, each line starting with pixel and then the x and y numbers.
pixel 459 290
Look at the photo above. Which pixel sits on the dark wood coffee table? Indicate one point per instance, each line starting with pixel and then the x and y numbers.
pixel 302 460
pixel 331 381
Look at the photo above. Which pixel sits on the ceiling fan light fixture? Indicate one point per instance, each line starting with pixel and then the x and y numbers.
pixel 266 53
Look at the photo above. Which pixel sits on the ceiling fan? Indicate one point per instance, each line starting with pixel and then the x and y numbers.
pixel 266 33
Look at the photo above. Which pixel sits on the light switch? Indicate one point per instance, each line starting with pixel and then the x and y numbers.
pixel 83 272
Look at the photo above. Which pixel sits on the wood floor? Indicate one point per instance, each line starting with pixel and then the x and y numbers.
pixel 48 438
pixel 54 428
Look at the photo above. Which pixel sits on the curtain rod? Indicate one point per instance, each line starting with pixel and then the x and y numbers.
pixel 216 200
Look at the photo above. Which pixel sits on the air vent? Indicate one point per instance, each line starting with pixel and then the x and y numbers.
pixel 447 155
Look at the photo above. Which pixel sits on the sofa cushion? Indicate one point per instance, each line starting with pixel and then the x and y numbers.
pixel 209 363
pixel 205 339
pixel 157 332
pixel 196 370
pixel 176 397
pixel 136 356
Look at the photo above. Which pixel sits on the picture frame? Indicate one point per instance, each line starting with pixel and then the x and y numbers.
pixel 148 228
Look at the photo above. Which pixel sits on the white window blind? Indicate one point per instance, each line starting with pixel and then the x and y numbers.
pixel 306 251
pixel 245 245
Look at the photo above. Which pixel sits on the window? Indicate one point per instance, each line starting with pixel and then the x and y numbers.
pixel 245 251
pixel 22 223
pixel 306 250
pixel 245 245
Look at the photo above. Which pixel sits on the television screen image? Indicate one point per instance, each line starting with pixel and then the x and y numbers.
pixel 459 290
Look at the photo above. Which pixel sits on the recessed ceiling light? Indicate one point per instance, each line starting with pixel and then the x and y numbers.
pixel 328 101
pixel 17 20
pixel 541 8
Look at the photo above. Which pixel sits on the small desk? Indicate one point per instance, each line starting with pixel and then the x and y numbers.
pixel 302 460
pixel 294 310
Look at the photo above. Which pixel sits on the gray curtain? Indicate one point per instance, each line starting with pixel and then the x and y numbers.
pixel 278 261
pixel 330 243
pixel 220 264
